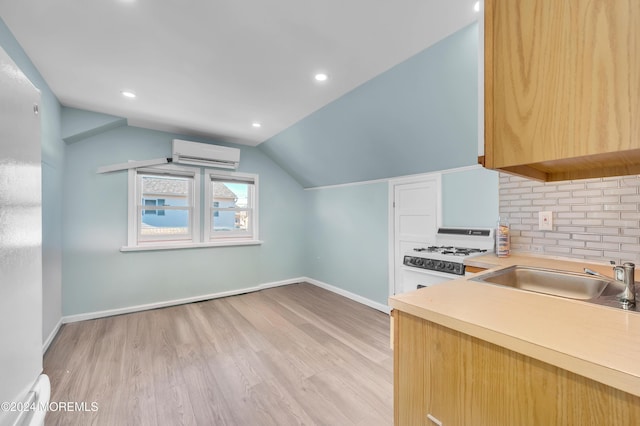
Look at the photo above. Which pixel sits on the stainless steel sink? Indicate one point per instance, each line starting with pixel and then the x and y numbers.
pixel 565 284
pixel 556 283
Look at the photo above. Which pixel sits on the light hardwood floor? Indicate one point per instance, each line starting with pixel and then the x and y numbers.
pixel 291 355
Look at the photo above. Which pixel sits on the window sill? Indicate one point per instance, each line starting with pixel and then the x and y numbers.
pixel 178 246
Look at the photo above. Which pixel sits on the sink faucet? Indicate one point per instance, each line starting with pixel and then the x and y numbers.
pixel 624 274
pixel 628 296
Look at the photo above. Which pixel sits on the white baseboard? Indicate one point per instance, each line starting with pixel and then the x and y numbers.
pixel 138 308
pixel 355 297
pixel 52 336
pixel 148 306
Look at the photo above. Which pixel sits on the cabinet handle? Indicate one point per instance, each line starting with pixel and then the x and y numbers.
pixel 434 420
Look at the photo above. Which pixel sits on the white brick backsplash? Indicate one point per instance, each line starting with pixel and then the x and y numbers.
pixel 571 187
pixel 620 191
pixel 603 246
pixel 525 240
pixel 544 202
pixel 571 201
pixel 522 202
pixel 509 197
pixel 630 215
pixel 603 184
pixel 544 188
pixel 587 208
pixel 603 231
pixel 588 193
pixel 531 196
pixel 575 230
pixel 585 252
pixel 620 257
pixel 603 215
pixel 557 194
pixel 564 222
pixel 610 199
pixel 521 215
pixel 533 234
pixel 621 207
pixel 557 250
pixel 586 222
pixel 622 223
pixel 619 239
pixel 595 219
pixel 572 215
pixel 587 237
pixel 571 243
pixel 557 235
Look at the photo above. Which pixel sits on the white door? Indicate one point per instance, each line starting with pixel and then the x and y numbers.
pixel 20 237
pixel 416 207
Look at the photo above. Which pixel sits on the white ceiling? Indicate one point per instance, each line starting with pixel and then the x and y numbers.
pixel 210 67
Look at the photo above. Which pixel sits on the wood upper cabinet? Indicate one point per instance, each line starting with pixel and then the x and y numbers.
pixel 562 87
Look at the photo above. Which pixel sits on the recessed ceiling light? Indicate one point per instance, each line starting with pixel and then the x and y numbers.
pixel 476 6
pixel 256 124
pixel 321 77
pixel 128 94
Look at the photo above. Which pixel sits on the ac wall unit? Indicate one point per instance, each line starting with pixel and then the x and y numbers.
pixel 202 154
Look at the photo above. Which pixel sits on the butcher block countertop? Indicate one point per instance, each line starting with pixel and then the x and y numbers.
pixel 597 342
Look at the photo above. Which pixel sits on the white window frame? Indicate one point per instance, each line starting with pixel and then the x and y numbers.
pixel 231 236
pixel 199 238
pixel 134 207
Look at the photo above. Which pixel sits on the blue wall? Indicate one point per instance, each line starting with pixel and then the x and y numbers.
pixel 97 276
pixel 347 237
pixel 470 198
pixel 420 116
pixel 52 173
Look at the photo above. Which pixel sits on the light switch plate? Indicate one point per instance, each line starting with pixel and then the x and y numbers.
pixel 545 221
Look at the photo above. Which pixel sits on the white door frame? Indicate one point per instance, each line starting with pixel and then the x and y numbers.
pixel 391 214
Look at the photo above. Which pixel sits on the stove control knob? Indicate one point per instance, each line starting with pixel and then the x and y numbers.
pixel 429 264
pixel 440 265
pixel 450 266
pixel 418 261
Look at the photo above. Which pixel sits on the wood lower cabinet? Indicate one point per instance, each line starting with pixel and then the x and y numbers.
pixel 562 87
pixel 474 269
pixel 460 380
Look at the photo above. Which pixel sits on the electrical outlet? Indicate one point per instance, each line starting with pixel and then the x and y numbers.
pixel 545 221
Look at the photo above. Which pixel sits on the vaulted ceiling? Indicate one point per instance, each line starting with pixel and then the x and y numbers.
pixel 212 68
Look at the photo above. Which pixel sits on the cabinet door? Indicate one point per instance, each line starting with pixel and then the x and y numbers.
pixel 409 370
pixel 429 373
pixel 445 386
pixel 562 81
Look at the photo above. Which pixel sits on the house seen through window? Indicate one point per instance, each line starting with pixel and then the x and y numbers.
pixel 171 199
pixel 231 201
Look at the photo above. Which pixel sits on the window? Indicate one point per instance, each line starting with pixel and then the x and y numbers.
pixel 165 208
pixel 158 202
pixel 164 205
pixel 230 206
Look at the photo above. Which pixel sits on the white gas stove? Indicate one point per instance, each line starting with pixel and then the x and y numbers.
pixel 431 264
